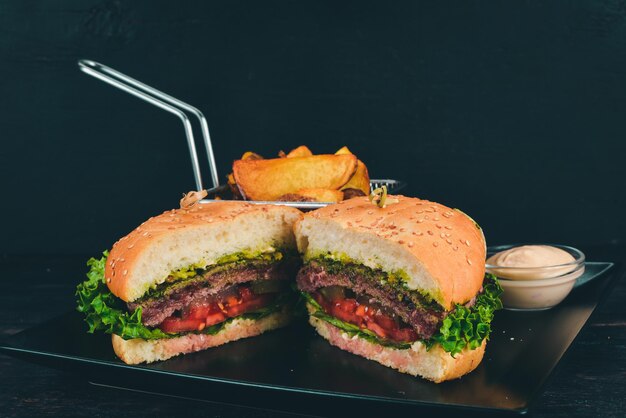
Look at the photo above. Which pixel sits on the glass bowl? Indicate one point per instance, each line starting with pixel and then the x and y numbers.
pixel 536 288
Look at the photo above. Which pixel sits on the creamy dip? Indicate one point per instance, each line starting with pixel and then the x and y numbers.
pixel 530 262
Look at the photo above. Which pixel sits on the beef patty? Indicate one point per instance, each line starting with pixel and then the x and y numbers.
pixel 423 316
pixel 208 286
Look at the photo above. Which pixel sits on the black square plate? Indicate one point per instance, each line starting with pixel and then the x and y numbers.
pixel 293 369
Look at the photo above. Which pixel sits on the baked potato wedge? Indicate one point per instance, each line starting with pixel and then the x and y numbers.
pixel 322 195
pixel 301 151
pixel 361 179
pixel 271 178
pixel 249 155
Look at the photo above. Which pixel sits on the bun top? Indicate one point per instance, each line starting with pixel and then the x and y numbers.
pixel 199 234
pixel 442 250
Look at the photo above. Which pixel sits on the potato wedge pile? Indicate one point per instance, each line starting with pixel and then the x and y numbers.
pixel 299 176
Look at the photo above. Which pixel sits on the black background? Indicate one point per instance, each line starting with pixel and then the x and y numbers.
pixel 512 111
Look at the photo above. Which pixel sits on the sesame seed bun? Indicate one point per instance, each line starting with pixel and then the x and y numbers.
pixel 200 234
pixel 441 250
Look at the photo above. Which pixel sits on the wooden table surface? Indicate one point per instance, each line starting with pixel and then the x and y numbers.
pixel 590 380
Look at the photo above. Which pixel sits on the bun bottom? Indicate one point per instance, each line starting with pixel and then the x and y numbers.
pixel 435 365
pixel 139 351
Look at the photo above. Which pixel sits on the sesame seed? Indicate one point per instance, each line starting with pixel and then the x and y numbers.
pixel 435 244
pixel 108 280
pixel 357 220
pixel 436 218
pixel 430 232
pixel 469 261
pixel 438 226
pixel 131 246
pixel 369 212
pixel 442 235
pixel 448 227
pixel 124 272
pixel 410 244
pixel 400 241
pixel 455 248
pixel 448 240
pixel 467 243
pixel 402 230
pixel 419 221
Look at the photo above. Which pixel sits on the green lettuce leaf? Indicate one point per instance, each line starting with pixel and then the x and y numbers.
pixel 468 327
pixel 107 313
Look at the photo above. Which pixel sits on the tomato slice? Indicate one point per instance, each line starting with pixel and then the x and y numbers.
pixel 378 330
pixel 365 316
pixel 214 318
pixel 174 325
pixel 248 305
pixel 238 302
pixel 199 312
pixel 245 293
pixel 346 311
pixel 404 334
pixel 386 322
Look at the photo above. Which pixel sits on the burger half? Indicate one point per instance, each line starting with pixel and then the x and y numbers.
pixel 403 284
pixel 194 278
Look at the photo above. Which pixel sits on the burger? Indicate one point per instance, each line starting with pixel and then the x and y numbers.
pixel 194 278
pixel 401 283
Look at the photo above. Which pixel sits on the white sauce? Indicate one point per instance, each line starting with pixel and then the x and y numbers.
pixel 531 262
